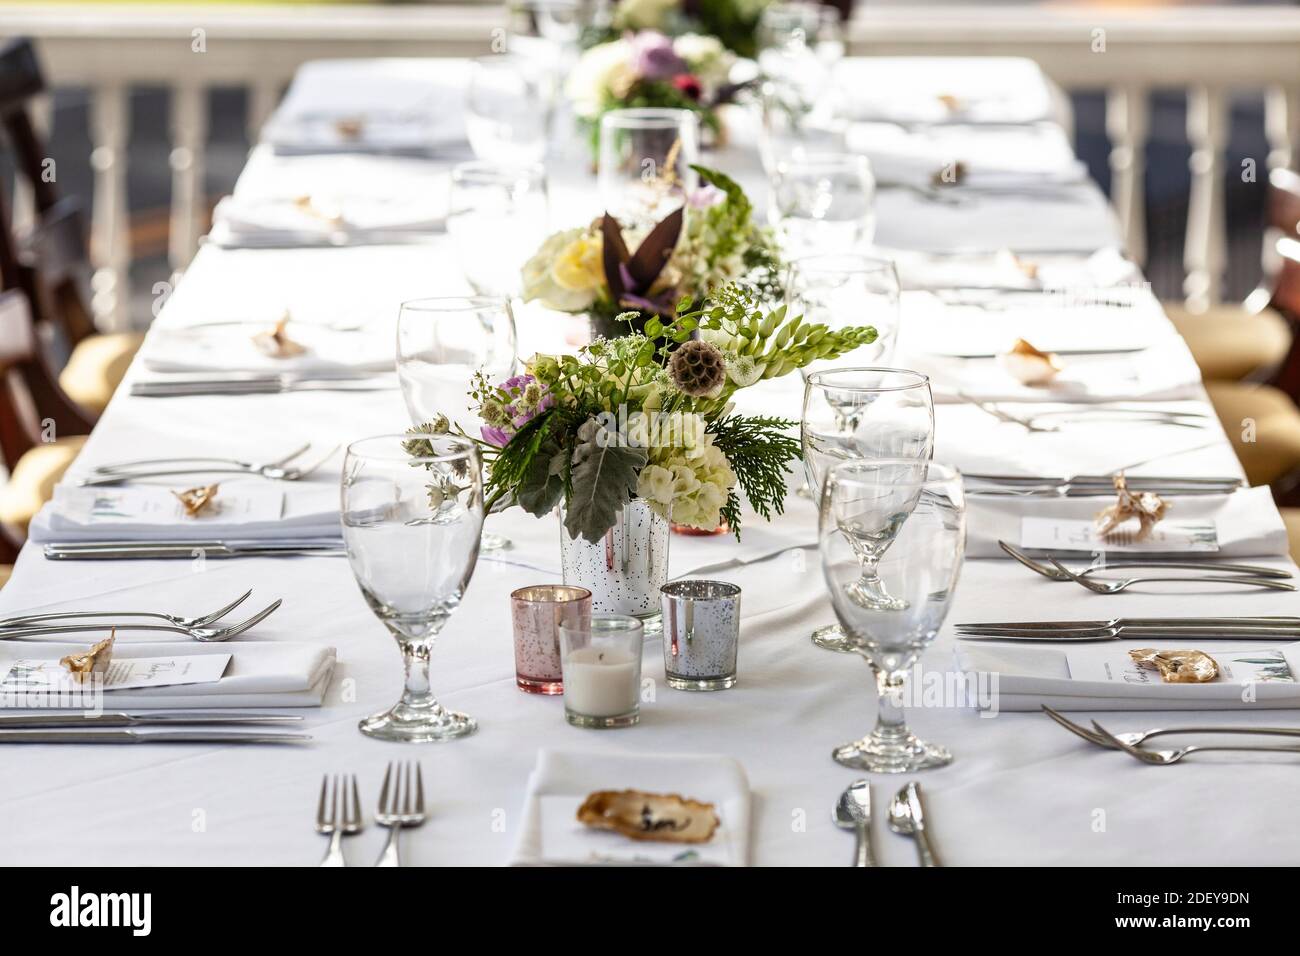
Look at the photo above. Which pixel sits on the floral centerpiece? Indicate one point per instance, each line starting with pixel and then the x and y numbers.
pixel 651 69
pixel 733 22
pixel 694 252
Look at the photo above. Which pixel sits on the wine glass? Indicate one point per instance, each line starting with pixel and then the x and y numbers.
pixel 644 166
pixel 508 108
pixel 823 203
pixel 842 289
pixel 412 514
pixel 919 508
pixel 863 413
pixel 496 218
pixel 441 344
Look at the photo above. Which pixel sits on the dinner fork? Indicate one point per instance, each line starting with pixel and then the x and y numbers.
pixel 1135 739
pixel 333 824
pixel 1116 587
pixel 1251 570
pixel 188 622
pixel 205 635
pixel 398 811
pixel 1162 758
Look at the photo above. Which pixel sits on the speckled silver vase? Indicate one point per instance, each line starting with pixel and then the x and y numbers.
pixel 626 568
pixel 701 634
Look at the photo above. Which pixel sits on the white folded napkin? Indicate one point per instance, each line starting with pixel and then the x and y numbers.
pixel 311 219
pixel 260 674
pixel 944 89
pixel 561 781
pixel 1030 676
pixel 1003 270
pixel 243 510
pixel 1246 523
pixel 230 348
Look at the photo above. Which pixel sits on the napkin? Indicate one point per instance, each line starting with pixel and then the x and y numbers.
pixel 1247 523
pixel 247 510
pixel 1001 270
pixel 230 348
pixel 561 781
pixel 957 89
pixel 311 219
pixel 1031 676
pixel 260 674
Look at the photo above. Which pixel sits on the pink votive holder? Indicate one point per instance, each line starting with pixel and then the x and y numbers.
pixel 538 612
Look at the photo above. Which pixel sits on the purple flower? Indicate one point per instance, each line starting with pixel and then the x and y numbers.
pixel 653 57
pixel 706 196
pixel 495 436
pixel 518 408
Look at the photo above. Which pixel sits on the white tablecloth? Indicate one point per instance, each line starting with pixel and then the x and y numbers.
pixel 1021 791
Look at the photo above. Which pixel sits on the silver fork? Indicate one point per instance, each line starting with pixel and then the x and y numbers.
pixel 1116 587
pixel 275 471
pixel 1250 570
pixel 206 635
pixel 332 823
pixel 1162 758
pixel 399 811
pixel 1135 739
pixel 206 619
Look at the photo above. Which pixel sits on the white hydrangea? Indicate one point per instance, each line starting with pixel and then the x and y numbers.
pixel 604 69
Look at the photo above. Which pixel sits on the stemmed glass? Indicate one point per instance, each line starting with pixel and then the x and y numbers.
pixel 508 108
pixel 644 166
pixel 441 343
pixel 864 414
pixel 496 218
pixel 848 288
pixel 919 508
pixel 823 203
pixel 412 514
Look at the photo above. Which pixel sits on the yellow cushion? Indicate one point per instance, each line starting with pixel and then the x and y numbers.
pixel 1229 343
pixel 1291 518
pixel 33 479
pixel 96 367
pixel 5 571
pixel 1264 426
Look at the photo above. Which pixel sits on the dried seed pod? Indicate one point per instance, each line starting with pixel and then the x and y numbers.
pixel 698 368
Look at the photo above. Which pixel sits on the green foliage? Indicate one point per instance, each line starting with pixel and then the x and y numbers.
pixel 604 476
pixel 758 448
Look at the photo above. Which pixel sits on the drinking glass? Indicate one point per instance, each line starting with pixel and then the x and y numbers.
pixel 441 343
pixel 823 203
pixel 496 218
pixel 918 508
pixel 790 129
pixel 602 671
pixel 644 166
pixel 799 46
pixel 843 289
pixel 508 108
pixel 863 413
pixel 412 513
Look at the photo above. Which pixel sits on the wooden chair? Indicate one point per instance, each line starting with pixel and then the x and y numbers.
pixel 1234 340
pixel 54 262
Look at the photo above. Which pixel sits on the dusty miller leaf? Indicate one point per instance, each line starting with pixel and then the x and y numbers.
pixel 604 477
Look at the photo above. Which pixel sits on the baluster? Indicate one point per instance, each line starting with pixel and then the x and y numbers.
pixel 1126 125
pixel 1282 125
pixel 189 123
pixel 110 116
pixel 1205 251
pixel 262 99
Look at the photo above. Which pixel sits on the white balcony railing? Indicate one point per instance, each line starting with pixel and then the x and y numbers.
pixel 1127 52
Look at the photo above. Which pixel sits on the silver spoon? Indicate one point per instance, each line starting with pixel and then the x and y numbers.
pixel 853 812
pixel 907 816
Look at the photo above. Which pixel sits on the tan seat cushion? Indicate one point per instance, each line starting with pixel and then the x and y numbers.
pixel 33 479
pixel 1229 343
pixel 5 571
pixel 1291 518
pixel 96 367
pixel 1264 426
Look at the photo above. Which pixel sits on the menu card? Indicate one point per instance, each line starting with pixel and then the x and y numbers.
pixel 123 673
pixel 1080 534
pixel 1235 667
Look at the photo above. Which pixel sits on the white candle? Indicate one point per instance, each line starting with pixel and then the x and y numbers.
pixel 601 681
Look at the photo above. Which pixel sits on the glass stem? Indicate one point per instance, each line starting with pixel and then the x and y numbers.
pixel 416 694
pixel 890 719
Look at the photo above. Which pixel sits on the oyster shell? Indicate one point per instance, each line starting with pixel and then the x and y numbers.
pixel 666 818
pixel 1178 667
pixel 93 661
pixel 1030 366
pixel 195 500
pixel 276 343
pixel 1147 506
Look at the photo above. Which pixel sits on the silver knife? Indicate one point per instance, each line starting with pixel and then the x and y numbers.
pixel 162 388
pixel 105 550
pixel 172 718
pixel 135 737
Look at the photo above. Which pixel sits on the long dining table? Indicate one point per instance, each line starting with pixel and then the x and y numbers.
pixel 1019 791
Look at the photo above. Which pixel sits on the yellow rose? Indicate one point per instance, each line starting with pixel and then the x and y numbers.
pixel 579 265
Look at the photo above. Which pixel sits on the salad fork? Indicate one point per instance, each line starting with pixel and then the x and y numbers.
pixel 1161 758
pixel 1135 739
pixel 205 635
pixel 333 824
pixel 1250 570
pixel 276 470
pixel 399 811
pixel 1117 587
pixel 25 620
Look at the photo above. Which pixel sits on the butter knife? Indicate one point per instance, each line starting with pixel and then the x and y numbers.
pixel 166 718
pixel 155 737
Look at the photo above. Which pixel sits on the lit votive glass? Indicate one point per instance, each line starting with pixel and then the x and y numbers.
pixel 602 671
pixel 701 634
pixel 538 612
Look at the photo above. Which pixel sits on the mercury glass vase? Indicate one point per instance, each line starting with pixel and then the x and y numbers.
pixel 625 569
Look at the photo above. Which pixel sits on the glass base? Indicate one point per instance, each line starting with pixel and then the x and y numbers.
pixel 491 541
pixel 426 728
pixel 535 685
pixel 602 723
pixel 892 755
pixel 652 623
pixel 832 638
pixel 700 683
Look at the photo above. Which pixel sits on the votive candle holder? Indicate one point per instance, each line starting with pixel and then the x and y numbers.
pixel 537 613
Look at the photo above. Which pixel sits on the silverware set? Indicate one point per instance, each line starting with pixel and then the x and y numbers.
pixel 907 817
pixel 260 385
pixel 1054 421
pixel 1131 743
pixel 203 628
pixel 277 470
pixel 1249 575
pixel 1092 486
pixel 1128 628
pixel 139 550
pixel 401 805
pixel 119 728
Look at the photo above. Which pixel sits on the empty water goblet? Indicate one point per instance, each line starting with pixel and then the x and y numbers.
pixel 508 108
pixel 496 218
pixel 823 203
pixel 843 289
pixel 644 168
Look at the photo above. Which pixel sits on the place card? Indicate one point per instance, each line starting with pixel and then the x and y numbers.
pixel 1235 667
pixel 124 673
pixel 1080 534
pixel 107 507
